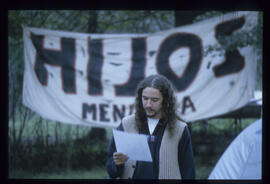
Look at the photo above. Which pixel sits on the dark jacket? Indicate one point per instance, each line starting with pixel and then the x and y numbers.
pixel 150 170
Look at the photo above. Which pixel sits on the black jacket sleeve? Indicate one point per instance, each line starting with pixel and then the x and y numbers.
pixel 113 170
pixel 185 156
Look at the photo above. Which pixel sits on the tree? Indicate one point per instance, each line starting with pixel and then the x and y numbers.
pixel 240 39
pixel 95 133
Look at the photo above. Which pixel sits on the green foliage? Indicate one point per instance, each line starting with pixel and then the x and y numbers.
pixel 39 157
pixel 87 156
pixel 40 151
pixel 135 21
pixel 210 139
pixel 239 39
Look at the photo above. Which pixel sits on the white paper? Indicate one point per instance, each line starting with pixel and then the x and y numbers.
pixel 133 145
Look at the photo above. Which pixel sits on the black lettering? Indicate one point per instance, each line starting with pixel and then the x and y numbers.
pixel 137 69
pixel 172 43
pixel 103 112
pixel 94 67
pixel 88 109
pixel 63 58
pixel 117 113
pixel 187 103
pixel 234 61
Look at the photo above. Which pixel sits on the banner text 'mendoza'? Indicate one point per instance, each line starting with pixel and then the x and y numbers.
pixel 101 112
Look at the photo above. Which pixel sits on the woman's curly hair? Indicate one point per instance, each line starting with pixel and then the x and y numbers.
pixel 168 104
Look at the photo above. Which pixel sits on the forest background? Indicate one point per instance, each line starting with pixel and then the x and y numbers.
pixel 40 148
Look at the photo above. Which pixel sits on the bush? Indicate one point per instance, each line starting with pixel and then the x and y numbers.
pixel 90 151
pixel 40 157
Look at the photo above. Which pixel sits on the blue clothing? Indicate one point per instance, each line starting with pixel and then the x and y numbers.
pixel 150 170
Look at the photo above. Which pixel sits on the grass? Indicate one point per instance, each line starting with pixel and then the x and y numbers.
pixel 96 173
pixel 202 172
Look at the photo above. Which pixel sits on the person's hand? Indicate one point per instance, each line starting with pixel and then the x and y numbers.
pixel 119 158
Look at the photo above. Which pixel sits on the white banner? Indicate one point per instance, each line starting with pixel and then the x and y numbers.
pixel 90 79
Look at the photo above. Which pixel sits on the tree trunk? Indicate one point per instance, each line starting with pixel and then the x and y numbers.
pixel 185 17
pixel 92 22
pixel 93 28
